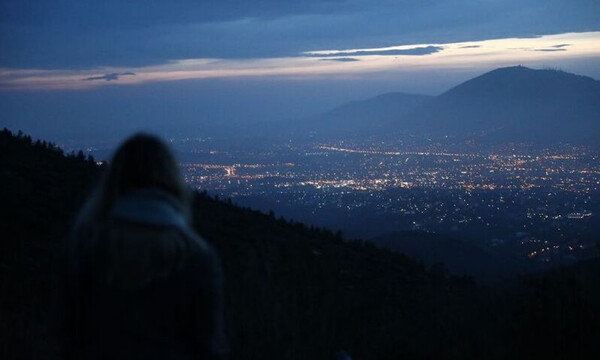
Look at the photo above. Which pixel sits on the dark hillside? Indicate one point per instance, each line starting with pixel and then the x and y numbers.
pixel 40 191
pixel 292 292
pixel 558 310
pixel 457 256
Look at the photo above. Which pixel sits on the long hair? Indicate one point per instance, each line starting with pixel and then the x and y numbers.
pixel 142 161
pixel 125 254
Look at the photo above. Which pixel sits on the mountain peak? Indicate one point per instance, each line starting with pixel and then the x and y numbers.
pixel 514 68
pixel 528 77
pixel 518 103
pixel 520 69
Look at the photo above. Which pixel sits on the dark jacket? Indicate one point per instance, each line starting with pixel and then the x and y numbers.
pixel 141 310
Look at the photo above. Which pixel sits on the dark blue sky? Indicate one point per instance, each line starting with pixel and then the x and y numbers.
pixel 237 44
pixel 86 33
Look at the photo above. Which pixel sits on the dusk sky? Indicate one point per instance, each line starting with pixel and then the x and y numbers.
pixel 89 64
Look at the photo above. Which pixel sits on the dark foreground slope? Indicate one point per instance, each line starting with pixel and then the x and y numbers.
pixel 455 255
pixel 291 292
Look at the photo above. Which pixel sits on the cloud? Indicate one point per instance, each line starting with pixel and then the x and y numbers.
pixel 118 13
pixel 343 59
pixel 550 50
pixel 470 46
pixel 554 48
pixel 323 63
pixel 416 51
pixel 109 77
pixel 77 34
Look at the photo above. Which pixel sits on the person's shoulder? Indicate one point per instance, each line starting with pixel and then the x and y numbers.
pixel 199 247
pixel 203 261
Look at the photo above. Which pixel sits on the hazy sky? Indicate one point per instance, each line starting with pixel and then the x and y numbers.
pixel 93 66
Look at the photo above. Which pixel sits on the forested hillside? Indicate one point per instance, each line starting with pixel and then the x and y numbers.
pixel 292 292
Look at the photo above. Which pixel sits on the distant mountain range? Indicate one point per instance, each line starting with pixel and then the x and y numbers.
pixel 506 104
pixel 373 116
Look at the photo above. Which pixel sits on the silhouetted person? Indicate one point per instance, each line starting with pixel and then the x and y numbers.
pixel 139 283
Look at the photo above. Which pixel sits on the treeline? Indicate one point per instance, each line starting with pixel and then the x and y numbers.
pixel 292 291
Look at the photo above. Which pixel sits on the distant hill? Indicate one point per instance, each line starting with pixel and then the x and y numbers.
pixel 371 116
pixel 504 105
pixel 516 104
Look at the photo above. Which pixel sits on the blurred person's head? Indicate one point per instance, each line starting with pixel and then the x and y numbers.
pixel 137 222
pixel 142 162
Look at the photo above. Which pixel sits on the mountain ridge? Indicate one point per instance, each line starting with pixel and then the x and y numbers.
pixel 369 116
pixel 515 104
pixel 509 104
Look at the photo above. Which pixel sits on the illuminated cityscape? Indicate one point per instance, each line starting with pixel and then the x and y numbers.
pixel 537 203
